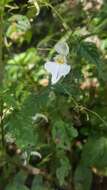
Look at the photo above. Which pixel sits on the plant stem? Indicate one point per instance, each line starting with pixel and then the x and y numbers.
pixel 1 73
pixel 1 47
pixel 2 124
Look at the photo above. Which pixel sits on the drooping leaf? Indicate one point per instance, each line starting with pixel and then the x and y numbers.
pixel 82 178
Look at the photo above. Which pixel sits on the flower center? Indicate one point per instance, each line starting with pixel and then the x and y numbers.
pixel 60 60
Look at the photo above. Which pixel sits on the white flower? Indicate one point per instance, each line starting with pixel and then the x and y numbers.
pixel 59 67
pixel 62 48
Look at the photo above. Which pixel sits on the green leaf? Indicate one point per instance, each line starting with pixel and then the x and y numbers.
pixel 63 133
pixel 26 58
pixel 17 182
pixel 63 170
pixel 38 184
pixel 88 52
pixel 14 186
pixel 95 152
pixel 18 26
pixel 20 123
pixel 4 2
pixel 20 178
pixel 82 178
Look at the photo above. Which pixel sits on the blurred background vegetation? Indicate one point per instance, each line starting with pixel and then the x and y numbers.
pixel 53 137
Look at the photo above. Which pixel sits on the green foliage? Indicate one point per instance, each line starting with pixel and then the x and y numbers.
pixel 63 133
pixel 21 122
pixel 18 27
pixel 16 187
pixel 63 170
pixel 65 124
pixel 17 183
pixel 95 149
pixel 82 178
pixel 4 2
pixel 38 184
pixel 88 52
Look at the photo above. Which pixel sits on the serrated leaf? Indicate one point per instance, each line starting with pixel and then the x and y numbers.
pixel 20 122
pixel 63 170
pixel 88 52
pixel 63 133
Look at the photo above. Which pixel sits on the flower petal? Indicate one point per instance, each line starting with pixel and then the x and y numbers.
pixel 62 70
pixel 65 69
pixel 62 48
pixel 56 75
pixel 57 70
pixel 51 67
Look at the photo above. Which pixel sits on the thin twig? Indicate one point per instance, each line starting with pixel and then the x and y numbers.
pixel 1 73
pixel 1 47
pixel 2 123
